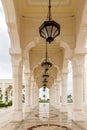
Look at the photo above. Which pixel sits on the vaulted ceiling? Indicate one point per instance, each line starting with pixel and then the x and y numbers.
pixel 30 15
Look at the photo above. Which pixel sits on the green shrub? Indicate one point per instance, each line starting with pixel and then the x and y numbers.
pixel 2 104
pixel 10 103
pixel 43 101
pixel 5 105
pixel 70 101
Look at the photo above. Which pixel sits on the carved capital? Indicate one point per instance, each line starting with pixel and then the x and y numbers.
pixel 16 59
pixel 15 51
pixel 79 60
pixel 17 65
pixel 78 64
pixel 64 76
pixel 27 76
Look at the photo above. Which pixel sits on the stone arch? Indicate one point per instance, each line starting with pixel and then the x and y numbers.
pixel 11 21
pixel 38 76
pixel 63 44
pixel 33 43
pixel 9 87
pixel 81 41
pixel 26 55
pixel 84 14
pixel 28 47
pixel 42 61
pixel 68 51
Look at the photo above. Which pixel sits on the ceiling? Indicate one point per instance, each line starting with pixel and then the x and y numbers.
pixel 40 7
pixel 30 15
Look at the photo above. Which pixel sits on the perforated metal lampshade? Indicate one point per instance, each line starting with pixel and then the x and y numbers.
pixel 45 76
pixel 44 88
pixel 45 81
pixel 44 84
pixel 46 65
pixel 49 30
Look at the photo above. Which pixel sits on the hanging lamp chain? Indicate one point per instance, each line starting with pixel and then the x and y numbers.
pixel 46 51
pixel 49 10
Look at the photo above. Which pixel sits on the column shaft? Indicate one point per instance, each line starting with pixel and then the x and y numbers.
pixel 64 93
pixel 27 92
pixel 17 68
pixel 78 85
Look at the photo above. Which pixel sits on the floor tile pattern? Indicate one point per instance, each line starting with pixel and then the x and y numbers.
pixel 46 117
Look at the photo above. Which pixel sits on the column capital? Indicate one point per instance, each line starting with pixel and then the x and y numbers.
pixel 17 63
pixel 78 64
pixel 16 51
pixel 64 76
pixel 78 59
pixel 16 59
pixel 27 75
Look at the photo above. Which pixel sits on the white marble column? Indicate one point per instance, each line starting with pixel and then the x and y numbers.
pixel 52 96
pixel 85 85
pixel 35 95
pixel 27 91
pixel 33 89
pixel 55 94
pixel 64 92
pixel 3 92
pixel 58 93
pixel 78 85
pixel 9 94
pixel 17 87
pixel 31 93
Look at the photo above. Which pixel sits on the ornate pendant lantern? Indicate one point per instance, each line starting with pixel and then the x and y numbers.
pixel 46 64
pixel 45 76
pixel 44 84
pixel 45 80
pixel 50 29
pixel 44 88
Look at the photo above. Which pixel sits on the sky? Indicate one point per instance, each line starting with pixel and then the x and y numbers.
pixel 5 59
pixel 46 93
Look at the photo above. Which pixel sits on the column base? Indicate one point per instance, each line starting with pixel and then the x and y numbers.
pixel 58 106
pixel 63 108
pixel 27 109
pixel 85 107
pixel 85 111
pixel 78 115
pixel 17 116
pixel 32 107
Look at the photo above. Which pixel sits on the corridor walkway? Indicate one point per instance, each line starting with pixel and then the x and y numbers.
pixel 45 117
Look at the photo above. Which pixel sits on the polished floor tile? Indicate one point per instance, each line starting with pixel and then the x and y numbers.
pixel 46 117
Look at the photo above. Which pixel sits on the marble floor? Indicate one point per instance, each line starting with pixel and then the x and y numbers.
pixel 45 117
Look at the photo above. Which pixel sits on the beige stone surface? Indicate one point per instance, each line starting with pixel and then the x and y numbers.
pixel 23 18
pixel 45 114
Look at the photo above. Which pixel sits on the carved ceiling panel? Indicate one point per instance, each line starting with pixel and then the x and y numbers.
pixel 55 55
pixel 44 2
pixel 38 75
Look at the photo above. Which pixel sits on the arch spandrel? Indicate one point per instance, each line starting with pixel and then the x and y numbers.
pixel 39 71
pixel 12 24
pixel 55 54
pixel 49 84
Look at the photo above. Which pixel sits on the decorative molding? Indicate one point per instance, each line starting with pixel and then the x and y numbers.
pixel 45 2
